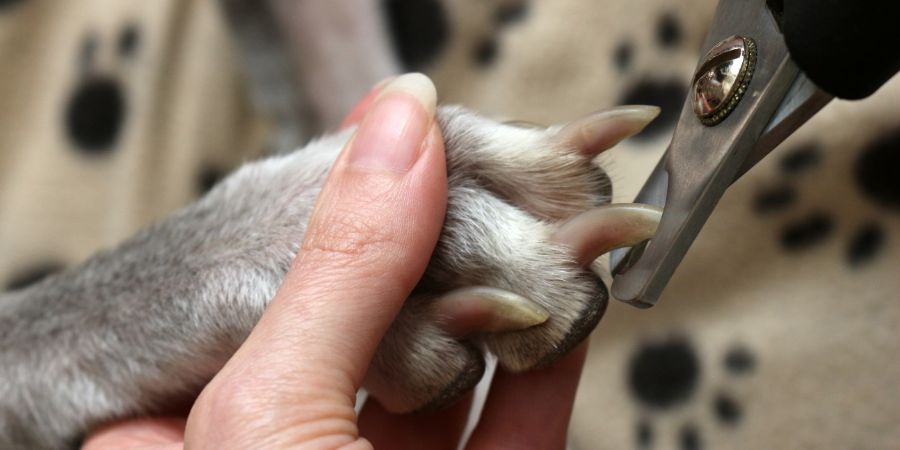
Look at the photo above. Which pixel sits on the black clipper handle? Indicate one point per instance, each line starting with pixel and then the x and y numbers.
pixel 849 48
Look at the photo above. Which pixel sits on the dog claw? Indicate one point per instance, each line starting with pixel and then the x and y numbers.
pixel 481 309
pixel 595 133
pixel 595 232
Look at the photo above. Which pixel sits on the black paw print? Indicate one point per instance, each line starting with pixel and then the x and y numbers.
pixel 507 13
pixel 666 374
pixel 4 4
pixel 97 108
pixel 94 115
pixel 667 92
pixel 419 30
pixel 875 172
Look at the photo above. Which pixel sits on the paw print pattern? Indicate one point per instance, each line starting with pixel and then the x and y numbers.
pixel 874 175
pixel 667 93
pixel 507 13
pixel 666 374
pixel 96 111
pixel 4 4
pixel 876 171
pixel 419 29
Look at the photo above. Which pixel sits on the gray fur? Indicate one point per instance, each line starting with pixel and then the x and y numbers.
pixel 135 328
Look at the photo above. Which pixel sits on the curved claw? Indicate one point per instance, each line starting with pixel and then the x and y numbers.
pixel 599 131
pixel 473 310
pixel 595 232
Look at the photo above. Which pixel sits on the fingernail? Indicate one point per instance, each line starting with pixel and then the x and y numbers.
pixel 391 135
pixel 383 82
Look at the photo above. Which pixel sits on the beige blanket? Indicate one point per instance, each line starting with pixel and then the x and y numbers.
pixel 780 329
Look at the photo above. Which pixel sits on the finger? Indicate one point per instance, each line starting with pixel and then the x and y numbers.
pixel 359 111
pixel 147 433
pixel 435 430
pixel 531 409
pixel 371 234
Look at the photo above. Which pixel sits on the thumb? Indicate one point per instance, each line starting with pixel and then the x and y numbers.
pixel 370 236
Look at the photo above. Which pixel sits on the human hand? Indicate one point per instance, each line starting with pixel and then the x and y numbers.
pixel 294 380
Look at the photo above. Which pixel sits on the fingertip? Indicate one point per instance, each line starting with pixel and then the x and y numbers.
pixel 392 134
pixel 359 111
pixel 418 85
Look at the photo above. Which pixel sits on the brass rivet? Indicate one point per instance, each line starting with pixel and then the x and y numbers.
pixel 723 78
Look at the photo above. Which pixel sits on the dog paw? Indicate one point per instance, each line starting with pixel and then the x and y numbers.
pixel 528 212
